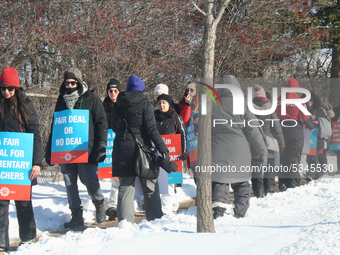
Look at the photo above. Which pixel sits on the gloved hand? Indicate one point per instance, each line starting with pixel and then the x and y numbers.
pixel 166 164
pixel 183 157
pixel 101 154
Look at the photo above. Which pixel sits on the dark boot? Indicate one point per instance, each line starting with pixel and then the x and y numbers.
pixel 258 192
pixel 77 219
pixel 100 211
pixel 112 213
pixel 218 212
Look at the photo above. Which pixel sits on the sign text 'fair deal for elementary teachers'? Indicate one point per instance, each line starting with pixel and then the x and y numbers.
pixel 70 137
pixel 16 154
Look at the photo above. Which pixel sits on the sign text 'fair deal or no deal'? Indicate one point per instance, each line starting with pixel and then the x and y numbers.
pixel 16 150
pixel 70 135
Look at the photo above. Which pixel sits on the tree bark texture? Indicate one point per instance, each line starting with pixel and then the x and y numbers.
pixel 205 222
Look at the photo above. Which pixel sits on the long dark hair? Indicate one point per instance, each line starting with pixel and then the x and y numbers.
pixel 16 106
pixel 182 101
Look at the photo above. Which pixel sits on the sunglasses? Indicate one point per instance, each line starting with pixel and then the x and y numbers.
pixel 113 91
pixel 191 90
pixel 10 89
pixel 70 83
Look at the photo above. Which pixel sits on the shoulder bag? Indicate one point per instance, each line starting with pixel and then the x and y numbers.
pixel 147 163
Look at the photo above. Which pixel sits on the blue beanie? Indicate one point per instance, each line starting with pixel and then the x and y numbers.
pixel 134 83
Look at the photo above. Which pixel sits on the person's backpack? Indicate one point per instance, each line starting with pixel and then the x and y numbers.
pixel 325 128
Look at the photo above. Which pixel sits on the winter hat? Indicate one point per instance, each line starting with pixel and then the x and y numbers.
pixel 113 83
pixel 258 92
pixel 165 97
pixel 73 73
pixel 134 83
pixel 9 77
pixel 161 89
pixel 292 83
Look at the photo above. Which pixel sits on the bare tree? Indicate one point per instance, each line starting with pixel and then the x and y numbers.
pixel 212 17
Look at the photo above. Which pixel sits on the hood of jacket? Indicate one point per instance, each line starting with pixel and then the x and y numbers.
pixel 82 88
pixel 230 80
pixel 260 105
pixel 130 98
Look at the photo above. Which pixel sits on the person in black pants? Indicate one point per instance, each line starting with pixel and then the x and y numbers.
pixel 18 114
pixel 294 140
pixel 263 182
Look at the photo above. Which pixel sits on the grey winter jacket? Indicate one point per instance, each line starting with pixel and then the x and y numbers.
pixel 230 143
pixel 270 128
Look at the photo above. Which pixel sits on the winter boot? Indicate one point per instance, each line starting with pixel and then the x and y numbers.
pixel 112 213
pixel 282 187
pixel 77 219
pixel 100 211
pixel 218 212
pixel 258 193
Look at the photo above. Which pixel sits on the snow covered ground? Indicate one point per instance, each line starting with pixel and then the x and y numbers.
pixel 304 220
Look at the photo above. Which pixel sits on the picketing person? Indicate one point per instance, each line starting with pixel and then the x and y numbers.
pixel 18 114
pixel 315 107
pixel 169 122
pixel 294 139
pixel 159 90
pixel 230 149
pixel 75 94
pixel 113 88
pixel 133 116
pixel 263 183
pixel 189 109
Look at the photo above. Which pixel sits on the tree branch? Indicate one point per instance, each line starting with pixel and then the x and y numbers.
pixel 204 14
pixel 220 13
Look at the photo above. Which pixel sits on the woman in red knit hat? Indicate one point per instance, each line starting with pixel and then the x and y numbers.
pixel 17 114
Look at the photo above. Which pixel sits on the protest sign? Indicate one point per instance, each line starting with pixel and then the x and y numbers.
pixel 310 141
pixel 16 154
pixel 335 140
pixel 105 167
pixel 173 142
pixel 70 136
pixel 192 139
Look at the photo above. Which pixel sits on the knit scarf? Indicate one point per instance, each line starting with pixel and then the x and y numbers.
pixel 71 99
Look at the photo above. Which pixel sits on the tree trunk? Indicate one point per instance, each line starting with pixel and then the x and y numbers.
pixel 335 71
pixel 205 222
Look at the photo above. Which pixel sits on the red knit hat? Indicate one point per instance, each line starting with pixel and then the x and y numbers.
pixel 292 83
pixel 9 78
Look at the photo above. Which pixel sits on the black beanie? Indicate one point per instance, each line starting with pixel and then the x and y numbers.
pixel 165 97
pixel 113 83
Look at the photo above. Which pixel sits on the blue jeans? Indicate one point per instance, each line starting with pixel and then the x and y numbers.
pixel 88 176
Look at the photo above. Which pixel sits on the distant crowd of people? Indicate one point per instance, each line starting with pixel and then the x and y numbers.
pixel 131 115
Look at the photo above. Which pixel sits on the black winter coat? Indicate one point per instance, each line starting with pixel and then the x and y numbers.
pixel 270 128
pixel 172 123
pixel 11 124
pixel 97 124
pixel 106 103
pixel 137 111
